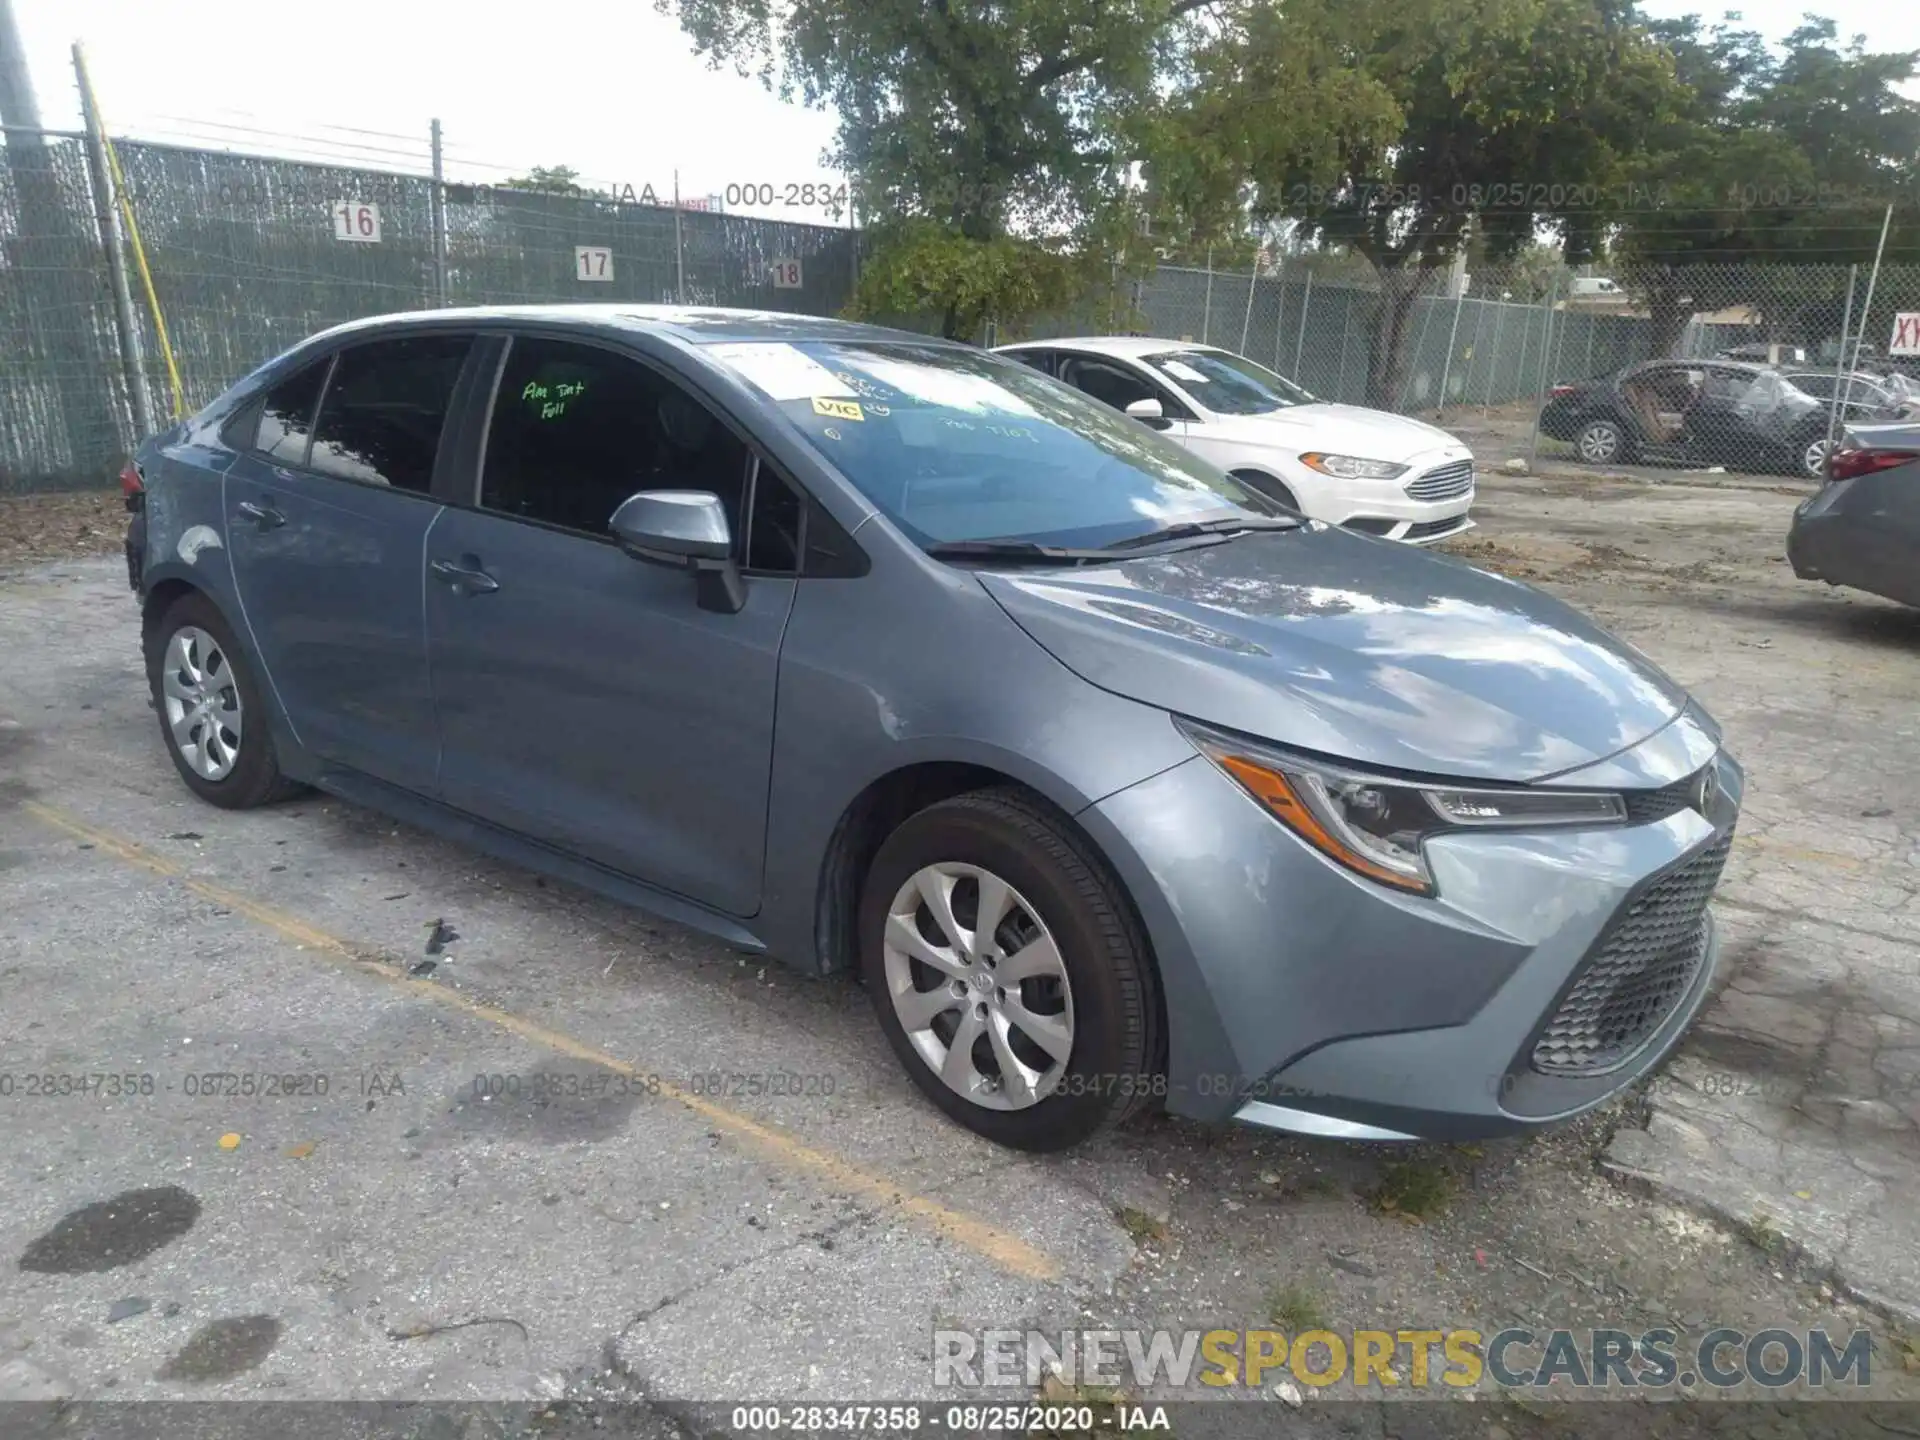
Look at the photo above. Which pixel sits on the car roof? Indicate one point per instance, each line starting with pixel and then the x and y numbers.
pixel 695 324
pixel 1131 345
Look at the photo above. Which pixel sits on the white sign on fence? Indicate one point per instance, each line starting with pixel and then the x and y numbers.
pixel 1906 333
pixel 592 262
pixel 786 274
pixel 356 220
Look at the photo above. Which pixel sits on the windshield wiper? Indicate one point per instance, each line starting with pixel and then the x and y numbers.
pixel 1027 552
pixel 1189 529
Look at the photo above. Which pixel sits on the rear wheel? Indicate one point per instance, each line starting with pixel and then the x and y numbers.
pixel 1008 974
pixel 211 715
pixel 1601 441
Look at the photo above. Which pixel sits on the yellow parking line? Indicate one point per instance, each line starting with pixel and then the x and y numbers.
pixel 1005 1249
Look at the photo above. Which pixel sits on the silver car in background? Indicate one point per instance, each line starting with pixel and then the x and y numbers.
pixel 1118 783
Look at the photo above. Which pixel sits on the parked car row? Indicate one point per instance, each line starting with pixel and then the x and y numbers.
pixel 1118 779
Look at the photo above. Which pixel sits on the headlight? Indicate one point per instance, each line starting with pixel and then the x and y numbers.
pixel 1352 467
pixel 1377 825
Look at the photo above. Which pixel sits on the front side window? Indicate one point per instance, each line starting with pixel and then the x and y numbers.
pixel 1227 384
pixel 577 429
pixel 1108 383
pixel 955 444
pixel 286 417
pixel 384 409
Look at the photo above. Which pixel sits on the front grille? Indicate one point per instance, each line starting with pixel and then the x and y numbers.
pixel 1443 482
pixel 1646 806
pixel 1637 974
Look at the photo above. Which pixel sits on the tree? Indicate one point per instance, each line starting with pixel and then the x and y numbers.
pixel 548 180
pixel 987 140
pixel 1449 118
pixel 1788 157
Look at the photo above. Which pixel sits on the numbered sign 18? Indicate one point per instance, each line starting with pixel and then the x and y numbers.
pixel 786 274
pixel 356 220
pixel 592 262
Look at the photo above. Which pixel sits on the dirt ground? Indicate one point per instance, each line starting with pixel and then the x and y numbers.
pixel 620 1246
pixel 56 527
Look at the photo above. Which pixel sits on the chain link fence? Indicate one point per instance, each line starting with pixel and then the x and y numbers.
pixel 249 255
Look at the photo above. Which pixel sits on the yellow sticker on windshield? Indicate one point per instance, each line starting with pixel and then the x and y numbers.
pixel 837 409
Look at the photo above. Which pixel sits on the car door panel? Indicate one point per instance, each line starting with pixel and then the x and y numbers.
pixel 586 700
pixel 585 697
pixel 327 570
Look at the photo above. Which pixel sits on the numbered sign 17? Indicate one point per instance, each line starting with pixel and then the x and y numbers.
pixel 592 262
pixel 356 220
pixel 786 274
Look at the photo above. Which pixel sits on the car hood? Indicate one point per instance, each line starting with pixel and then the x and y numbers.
pixel 1341 430
pixel 1326 641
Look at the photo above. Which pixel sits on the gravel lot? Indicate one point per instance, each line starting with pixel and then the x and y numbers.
pixel 490 1164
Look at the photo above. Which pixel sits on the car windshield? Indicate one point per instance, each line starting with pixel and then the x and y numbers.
pixel 957 445
pixel 1227 384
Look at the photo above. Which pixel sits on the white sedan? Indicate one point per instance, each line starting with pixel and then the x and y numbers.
pixel 1368 470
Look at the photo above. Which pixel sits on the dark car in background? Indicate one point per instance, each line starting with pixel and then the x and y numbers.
pixel 1739 414
pixel 1862 529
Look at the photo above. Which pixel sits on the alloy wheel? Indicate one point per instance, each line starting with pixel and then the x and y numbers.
pixel 1813 459
pixel 1599 443
pixel 202 701
pixel 978 984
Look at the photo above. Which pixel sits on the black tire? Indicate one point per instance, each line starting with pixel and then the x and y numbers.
pixel 1114 1066
pixel 1590 439
pixel 1269 487
pixel 255 777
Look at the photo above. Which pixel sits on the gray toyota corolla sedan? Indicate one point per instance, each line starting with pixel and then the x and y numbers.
pixel 1119 784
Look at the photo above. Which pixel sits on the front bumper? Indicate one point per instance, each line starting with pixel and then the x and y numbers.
pixel 1388 508
pixel 1303 997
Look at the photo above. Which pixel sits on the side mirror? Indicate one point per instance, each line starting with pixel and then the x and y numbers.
pixel 686 530
pixel 1149 412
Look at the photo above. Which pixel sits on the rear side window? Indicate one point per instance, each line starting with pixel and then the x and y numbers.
pixel 381 419
pixel 286 417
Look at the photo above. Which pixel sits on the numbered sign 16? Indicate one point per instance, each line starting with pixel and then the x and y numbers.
pixel 356 220
pixel 592 262
pixel 786 274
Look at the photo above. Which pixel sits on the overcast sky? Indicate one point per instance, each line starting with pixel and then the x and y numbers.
pixel 610 89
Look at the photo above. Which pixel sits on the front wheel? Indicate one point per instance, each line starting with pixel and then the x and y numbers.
pixel 1266 485
pixel 1008 973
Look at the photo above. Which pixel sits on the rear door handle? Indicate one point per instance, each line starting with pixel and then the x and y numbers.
pixel 263 516
pixel 465 579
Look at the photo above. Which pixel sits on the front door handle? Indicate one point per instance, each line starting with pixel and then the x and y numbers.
pixel 467 579
pixel 265 517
